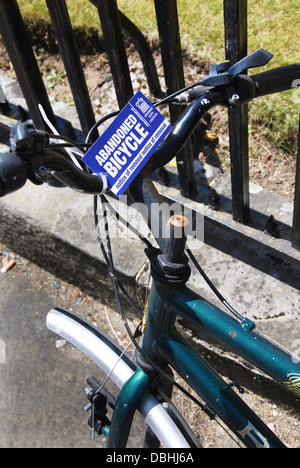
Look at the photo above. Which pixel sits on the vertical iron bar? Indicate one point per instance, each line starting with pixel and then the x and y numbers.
pixel 115 47
pixel 144 50
pixel 19 48
pixel 169 36
pixel 64 33
pixel 235 19
pixel 296 220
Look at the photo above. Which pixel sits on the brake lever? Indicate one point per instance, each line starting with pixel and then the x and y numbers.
pixel 26 140
pixel 223 73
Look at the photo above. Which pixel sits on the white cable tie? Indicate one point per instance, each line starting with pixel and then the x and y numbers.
pixel 55 132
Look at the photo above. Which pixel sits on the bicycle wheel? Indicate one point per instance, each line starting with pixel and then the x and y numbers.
pixel 161 416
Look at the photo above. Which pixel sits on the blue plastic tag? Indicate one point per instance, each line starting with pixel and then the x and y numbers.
pixel 128 143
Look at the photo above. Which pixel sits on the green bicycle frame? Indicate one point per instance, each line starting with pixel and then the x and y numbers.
pixel 164 344
pixel 162 340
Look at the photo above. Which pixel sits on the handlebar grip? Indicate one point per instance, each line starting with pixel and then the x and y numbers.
pixel 277 80
pixel 13 173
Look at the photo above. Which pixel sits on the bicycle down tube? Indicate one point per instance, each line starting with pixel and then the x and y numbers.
pixel 165 345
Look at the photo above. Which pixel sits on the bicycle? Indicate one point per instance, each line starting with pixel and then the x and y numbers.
pixel 146 380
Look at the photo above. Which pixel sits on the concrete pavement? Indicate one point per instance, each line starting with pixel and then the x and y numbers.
pixel 41 390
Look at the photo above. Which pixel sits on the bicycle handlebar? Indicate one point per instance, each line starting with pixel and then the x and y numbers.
pixel 13 173
pixel 185 127
pixel 277 80
pixel 16 169
pixel 66 172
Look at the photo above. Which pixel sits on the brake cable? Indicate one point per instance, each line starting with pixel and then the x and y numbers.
pixel 213 287
pixel 116 283
pixel 108 257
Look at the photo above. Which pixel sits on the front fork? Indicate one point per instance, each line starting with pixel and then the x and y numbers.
pixel 170 267
pixel 125 409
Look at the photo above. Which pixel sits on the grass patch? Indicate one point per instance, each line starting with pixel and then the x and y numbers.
pixel 272 24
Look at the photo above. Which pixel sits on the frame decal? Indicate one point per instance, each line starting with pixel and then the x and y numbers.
pixel 293 383
pixel 255 436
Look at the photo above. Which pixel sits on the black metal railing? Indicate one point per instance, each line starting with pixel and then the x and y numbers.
pixel 113 23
